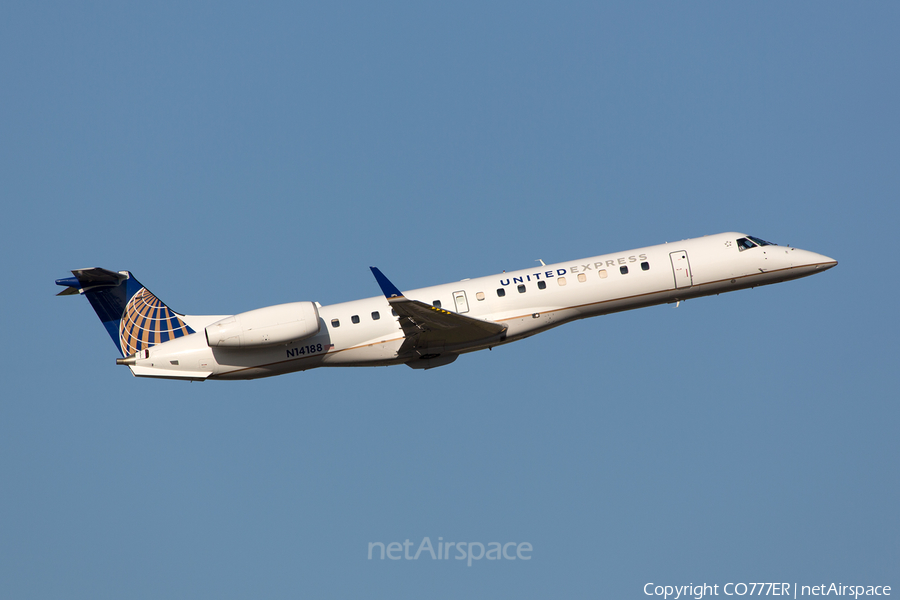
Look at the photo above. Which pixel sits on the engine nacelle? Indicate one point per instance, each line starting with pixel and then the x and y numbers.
pixel 267 326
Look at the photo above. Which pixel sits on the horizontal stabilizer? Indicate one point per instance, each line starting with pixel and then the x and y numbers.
pixel 93 277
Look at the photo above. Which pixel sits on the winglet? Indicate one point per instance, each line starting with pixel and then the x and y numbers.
pixel 389 289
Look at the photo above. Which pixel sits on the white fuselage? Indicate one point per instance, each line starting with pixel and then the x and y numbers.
pixel 365 333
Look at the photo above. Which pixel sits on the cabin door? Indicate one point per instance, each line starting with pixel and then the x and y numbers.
pixel 681 268
pixel 462 305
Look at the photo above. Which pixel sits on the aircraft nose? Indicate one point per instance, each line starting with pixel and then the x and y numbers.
pixel 824 262
pixel 819 262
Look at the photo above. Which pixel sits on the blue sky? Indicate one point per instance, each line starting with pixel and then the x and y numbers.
pixel 235 156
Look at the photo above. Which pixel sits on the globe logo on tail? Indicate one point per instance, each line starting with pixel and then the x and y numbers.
pixel 147 321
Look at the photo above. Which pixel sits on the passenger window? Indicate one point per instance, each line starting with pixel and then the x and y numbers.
pixel 623 270
pixel 394 312
pixel 542 285
pixel 436 303
pixel 501 292
pixel 561 281
pixel 645 266
pixel 479 296
pixel 375 316
pixel 521 288
pixel 582 277
pixel 355 319
pixel 335 322
pixel 603 274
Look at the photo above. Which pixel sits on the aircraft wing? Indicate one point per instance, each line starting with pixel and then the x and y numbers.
pixel 429 329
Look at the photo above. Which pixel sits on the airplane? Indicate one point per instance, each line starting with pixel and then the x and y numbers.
pixel 427 327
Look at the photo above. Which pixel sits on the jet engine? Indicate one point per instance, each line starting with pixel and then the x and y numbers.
pixel 267 326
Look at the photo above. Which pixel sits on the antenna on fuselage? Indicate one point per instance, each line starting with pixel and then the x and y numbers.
pixel 542 262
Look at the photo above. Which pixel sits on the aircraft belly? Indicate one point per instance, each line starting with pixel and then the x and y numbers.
pixel 380 352
pixel 186 357
pixel 529 324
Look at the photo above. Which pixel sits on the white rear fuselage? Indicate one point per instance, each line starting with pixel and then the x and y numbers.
pixel 366 333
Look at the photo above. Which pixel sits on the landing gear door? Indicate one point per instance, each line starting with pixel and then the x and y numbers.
pixel 681 268
pixel 462 305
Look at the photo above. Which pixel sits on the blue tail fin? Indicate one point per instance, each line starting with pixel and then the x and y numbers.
pixel 134 318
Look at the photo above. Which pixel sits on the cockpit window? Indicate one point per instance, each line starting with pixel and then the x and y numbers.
pixel 761 242
pixel 745 244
